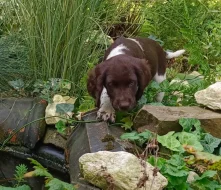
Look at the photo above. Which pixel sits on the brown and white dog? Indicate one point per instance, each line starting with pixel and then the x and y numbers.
pixel 128 66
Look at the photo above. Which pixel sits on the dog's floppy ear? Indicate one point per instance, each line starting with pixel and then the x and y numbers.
pixel 143 72
pixel 95 82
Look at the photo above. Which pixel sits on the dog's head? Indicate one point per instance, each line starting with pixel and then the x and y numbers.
pixel 125 79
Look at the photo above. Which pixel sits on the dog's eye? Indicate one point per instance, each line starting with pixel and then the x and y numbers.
pixel 110 84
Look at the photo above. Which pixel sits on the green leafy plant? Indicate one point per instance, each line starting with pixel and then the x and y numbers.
pixel 47 89
pixel 170 141
pixel 51 182
pixel 56 184
pixel 14 61
pixel 61 127
pixel 138 138
pixel 192 25
pixel 174 169
pixel 210 143
pixel 86 103
pixel 189 149
pixel 19 173
pixel 62 45
pixel 176 93
pixel 203 182
pixel 63 108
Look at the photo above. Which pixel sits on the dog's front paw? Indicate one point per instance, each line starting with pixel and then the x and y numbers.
pixel 106 114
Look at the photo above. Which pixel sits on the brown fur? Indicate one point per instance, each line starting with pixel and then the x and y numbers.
pixel 126 76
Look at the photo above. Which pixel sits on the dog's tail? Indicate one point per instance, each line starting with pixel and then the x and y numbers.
pixel 170 55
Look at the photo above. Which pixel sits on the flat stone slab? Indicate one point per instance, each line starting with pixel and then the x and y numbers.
pixel 162 119
pixel 89 138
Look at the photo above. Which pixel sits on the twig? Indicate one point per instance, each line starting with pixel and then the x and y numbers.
pixel 17 130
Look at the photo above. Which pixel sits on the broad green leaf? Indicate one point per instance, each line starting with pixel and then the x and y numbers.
pixel 177 160
pixel 64 108
pixel 210 143
pixel 146 134
pixel 176 183
pixel 174 171
pixel 204 183
pixel 154 85
pixel 128 123
pixel 165 85
pixel 142 101
pixel 207 157
pixel 130 136
pixel 56 184
pixel 206 174
pixel 157 161
pixel 170 142
pixel 189 123
pixel 23 187
pixel 17 84
pixel 60 126
pixel 190 140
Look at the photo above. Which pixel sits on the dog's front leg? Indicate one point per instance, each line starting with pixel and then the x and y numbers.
pixel 160 78
pixel 106 110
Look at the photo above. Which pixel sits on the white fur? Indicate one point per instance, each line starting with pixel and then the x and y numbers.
pixel 106 111
pixel 159 79
pixel 171 55
pixel 117 51
pixel 138 43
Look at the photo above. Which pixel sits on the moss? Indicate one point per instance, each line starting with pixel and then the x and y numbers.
pixel 215 166
pixel 107 138
pixel 109 146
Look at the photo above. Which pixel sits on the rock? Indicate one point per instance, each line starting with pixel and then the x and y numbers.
pixel 19 114
pixel 89 138
pixel 191 177
pixel 197 74
pixel 51 109
pixel 120 171
pixel 210 97
pixel 162 119
pixel 52 137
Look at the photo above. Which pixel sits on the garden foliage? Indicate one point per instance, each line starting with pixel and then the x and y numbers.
pixel 189 150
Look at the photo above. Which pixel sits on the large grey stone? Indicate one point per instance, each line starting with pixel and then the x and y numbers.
pixel 162 119
pixel 120 171
pixel 210 97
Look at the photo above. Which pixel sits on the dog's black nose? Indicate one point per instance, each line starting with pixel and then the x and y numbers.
pixel 124 106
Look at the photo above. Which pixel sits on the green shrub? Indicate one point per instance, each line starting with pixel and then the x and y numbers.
pixel 62 35
pixel 189 24
pixel 13 61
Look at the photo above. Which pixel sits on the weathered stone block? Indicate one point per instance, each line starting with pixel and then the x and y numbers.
pixel 17 113
pixel 120 171
pixel 87 138
pixel 210 97
pixel 162 119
